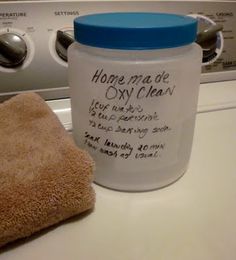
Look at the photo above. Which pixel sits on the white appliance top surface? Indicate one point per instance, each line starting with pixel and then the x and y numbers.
pixel 191 219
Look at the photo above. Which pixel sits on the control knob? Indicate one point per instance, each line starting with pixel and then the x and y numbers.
pixel 13 50
pixel 63 40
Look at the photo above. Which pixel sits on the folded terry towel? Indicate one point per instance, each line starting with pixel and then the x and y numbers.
pixel 44 177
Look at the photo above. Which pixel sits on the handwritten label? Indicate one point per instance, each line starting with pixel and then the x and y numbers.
pixel 131 117
pixel 139 86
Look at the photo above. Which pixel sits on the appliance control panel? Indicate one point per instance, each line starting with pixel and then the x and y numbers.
pixel 35 36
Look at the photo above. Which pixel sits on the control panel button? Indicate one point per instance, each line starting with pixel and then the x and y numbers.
pixel 63 40
pixel 210 38
pixel 13 50
pixel 207 39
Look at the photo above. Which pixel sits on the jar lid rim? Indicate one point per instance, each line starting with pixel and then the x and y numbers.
pixel 135 30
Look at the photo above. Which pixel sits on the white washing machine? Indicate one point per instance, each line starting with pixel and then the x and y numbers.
pixel 193 218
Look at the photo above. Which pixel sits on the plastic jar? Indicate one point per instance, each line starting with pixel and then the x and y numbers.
pixel 134 80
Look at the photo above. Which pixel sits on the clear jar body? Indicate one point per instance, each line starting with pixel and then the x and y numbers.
pixel 134 111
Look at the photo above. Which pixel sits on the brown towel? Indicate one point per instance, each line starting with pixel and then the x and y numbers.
pixel 44 177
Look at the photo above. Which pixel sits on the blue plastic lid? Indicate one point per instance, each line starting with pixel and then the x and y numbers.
pixel 135 31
